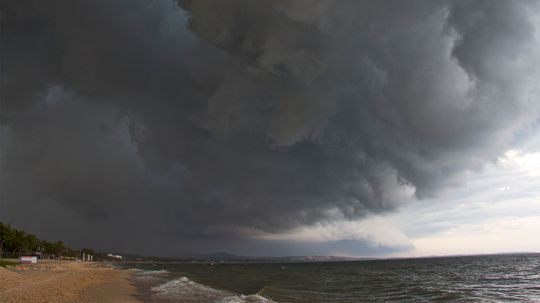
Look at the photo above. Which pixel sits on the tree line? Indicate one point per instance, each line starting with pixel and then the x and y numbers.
pixel 15 243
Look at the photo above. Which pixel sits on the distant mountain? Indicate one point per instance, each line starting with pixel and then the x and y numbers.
pixel 226 257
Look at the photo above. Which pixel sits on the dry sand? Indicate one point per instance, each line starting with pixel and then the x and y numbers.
pixel 66 281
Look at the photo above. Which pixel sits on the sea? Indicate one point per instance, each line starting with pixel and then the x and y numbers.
pixel 486 278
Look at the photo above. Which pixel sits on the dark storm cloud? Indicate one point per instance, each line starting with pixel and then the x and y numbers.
pixel 224 119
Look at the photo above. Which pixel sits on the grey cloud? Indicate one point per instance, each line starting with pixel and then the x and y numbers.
pixel 215 120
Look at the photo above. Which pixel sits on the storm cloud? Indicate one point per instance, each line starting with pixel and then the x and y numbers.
pixel 223 121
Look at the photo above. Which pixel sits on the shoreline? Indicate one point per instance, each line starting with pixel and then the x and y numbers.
pixel 68 281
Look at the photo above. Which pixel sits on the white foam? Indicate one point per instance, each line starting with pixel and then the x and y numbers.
pixel 245 299
pixel 141 274
pixel 185 290
pixel 151 272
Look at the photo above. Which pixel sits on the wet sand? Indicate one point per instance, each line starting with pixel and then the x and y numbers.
pixel 67 281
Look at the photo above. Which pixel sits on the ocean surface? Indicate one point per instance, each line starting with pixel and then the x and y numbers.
pixel 493 278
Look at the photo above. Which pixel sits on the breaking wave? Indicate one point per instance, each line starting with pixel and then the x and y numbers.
pixel 141 274
pixel 186 290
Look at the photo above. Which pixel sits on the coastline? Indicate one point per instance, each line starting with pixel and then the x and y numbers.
pixel 67 281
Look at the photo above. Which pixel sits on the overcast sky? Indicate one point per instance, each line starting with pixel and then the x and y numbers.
pixel 365 128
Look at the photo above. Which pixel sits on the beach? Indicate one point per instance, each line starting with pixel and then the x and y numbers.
pixel 66 281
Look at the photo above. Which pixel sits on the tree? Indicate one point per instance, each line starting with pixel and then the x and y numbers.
pixel 14 242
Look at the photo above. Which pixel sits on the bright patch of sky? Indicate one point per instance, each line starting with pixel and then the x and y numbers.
pixel 497 211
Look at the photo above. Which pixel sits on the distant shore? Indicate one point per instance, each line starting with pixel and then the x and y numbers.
pixel 66 281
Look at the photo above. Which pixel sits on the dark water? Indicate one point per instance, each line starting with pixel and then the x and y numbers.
pixel 495 278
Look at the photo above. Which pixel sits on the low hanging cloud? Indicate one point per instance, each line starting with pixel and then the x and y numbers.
pixel 227 119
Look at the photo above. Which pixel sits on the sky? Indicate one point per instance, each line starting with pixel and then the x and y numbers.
pixel 308 127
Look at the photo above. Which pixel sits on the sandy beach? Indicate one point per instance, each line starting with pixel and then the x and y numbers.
pixel 66 281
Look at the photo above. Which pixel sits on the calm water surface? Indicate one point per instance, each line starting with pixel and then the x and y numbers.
pixel 495 278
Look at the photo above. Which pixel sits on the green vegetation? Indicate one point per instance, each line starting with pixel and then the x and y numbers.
pixel 4 263
pixel 15 243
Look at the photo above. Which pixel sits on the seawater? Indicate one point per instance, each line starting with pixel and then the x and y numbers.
pixel 492 278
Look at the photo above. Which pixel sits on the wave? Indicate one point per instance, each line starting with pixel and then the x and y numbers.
pixel 185 290
pixel 245 299
pixel 142 274
pixel 149 272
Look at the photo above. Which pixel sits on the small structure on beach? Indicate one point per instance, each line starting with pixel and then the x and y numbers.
pixel 28 259
pixel 117 257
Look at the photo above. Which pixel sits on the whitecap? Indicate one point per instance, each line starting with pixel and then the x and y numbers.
pixel 245 299
pixel 141 274
pixel 185 290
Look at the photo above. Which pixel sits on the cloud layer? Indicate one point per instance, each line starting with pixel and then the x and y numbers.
pixel 196 120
